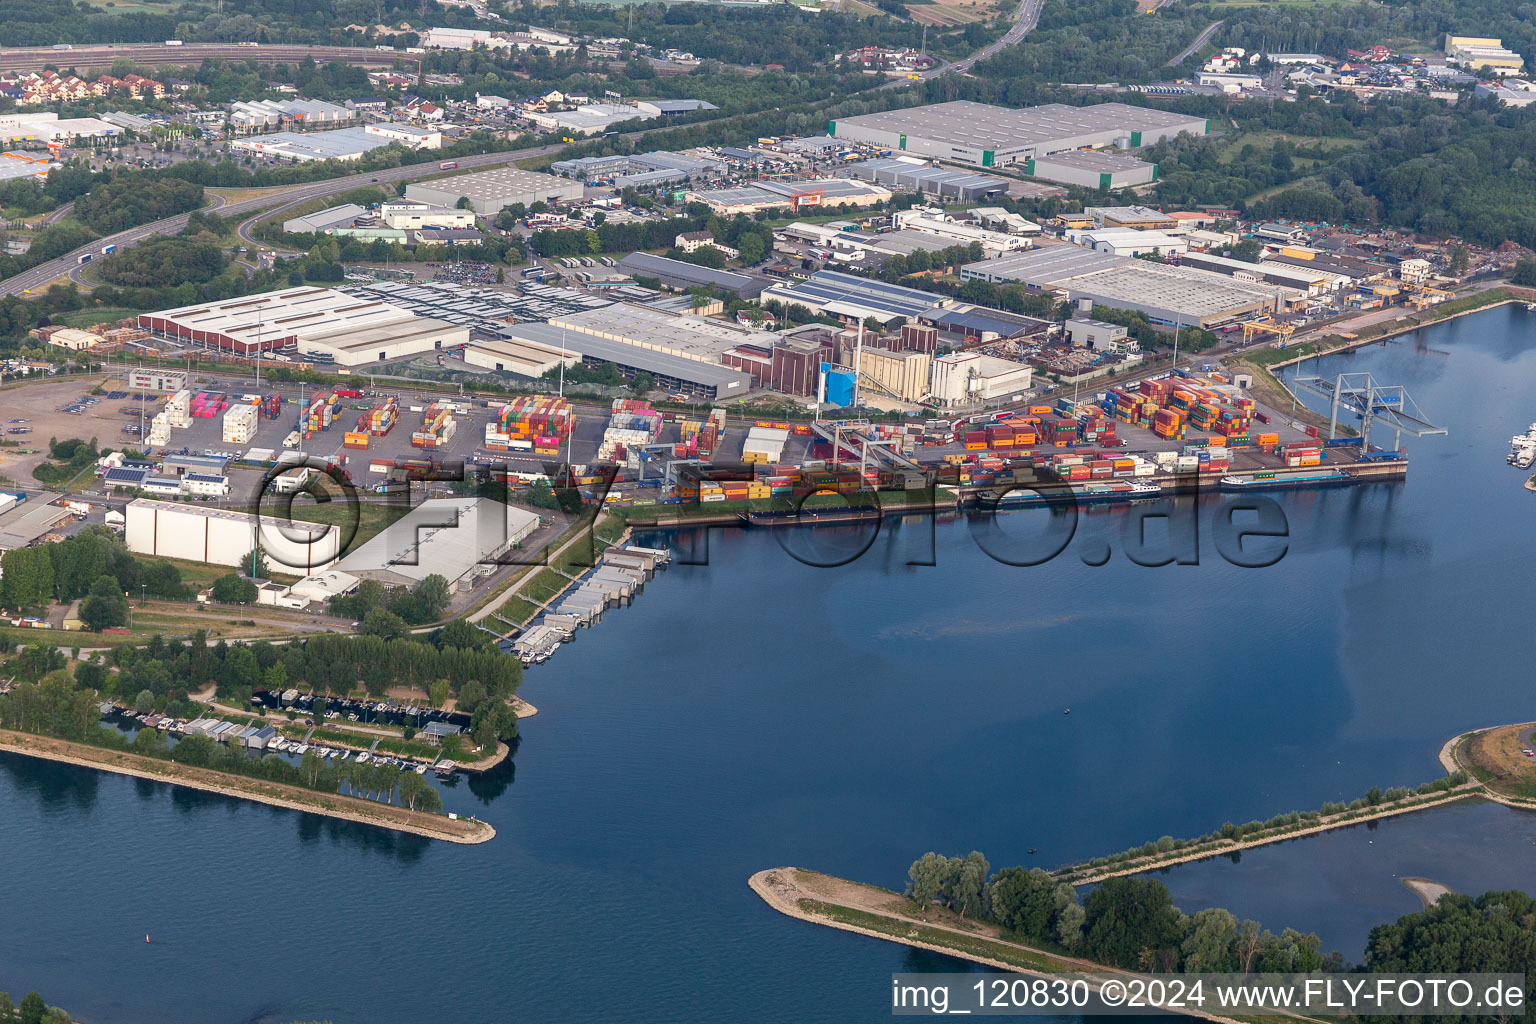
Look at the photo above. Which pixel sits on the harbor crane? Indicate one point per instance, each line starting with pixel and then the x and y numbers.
pixel 1421 296
pixel 1384 405
pixel 1281 331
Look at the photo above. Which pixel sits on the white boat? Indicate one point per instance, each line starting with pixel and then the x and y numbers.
pixel 301 748
pixel 344 755
pixel 362 757
pixel 421 769
pixel 278 745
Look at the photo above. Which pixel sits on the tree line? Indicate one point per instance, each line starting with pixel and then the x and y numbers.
pixel 71 568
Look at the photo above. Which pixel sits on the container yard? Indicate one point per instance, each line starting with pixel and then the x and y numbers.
pixel 437 427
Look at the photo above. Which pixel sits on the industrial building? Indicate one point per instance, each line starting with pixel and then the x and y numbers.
pixel 1128 241
pixel 712 381
pixel 855 299
pixel 791 364
pixel 1092 169
pixel 410 214
pixel 680 275
pixel 317 323
pixel 221 536
pixel 479 309
pixel 797 195
pixel 1306 280
pixel 676 334
pixel 24 523
pixel 901 374
pixel 302 147
pixel 449 537
pixel 324 220
pixel 1140 218
pixel 255 115
pixel 1167 294
pixel 593 169
pixel 970 378
pixel 489 191
pixel 1100 336
pixel 919 176
pixel 156 380
pixel 518 355
pixel 988 136
pixel 968 325
pixel 1479 52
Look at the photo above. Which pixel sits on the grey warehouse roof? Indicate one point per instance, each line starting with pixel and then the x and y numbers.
pixel 927 179
pixel 831 286
pixel 712 375
pixel 981 125
pixel 649 265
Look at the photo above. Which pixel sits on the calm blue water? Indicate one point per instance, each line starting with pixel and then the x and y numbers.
pixel 757 712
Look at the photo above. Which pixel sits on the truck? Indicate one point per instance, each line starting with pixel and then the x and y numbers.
pixel 85 257
pixel 109 249
pixel 173 42
pixel 447 165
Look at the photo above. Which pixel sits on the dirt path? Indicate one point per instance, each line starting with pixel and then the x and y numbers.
pixel 784 888
pixel 347 808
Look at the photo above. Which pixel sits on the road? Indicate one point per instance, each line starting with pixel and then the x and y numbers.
pixel 43 273
pixel 1200 40
pixel 1024 21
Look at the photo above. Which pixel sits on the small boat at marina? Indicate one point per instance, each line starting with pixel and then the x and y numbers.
pixel 362 757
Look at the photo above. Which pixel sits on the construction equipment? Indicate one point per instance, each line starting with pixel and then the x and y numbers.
pixel 1421 296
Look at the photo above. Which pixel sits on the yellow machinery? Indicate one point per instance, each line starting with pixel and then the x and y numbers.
pixel 1422 296
pixel 1281 331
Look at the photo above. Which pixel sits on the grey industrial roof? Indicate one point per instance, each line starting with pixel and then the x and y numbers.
pixel 23 524
pixel 993 320
pixel 1090 160
pixel 342 142
pixel 930 178
pixel 335 216
pixel 983 126
pixel 831 286
pixel 650 266
pixel 495 183
pixel 708 374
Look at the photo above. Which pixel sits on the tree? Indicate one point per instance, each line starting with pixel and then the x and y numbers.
pixel 752 248
pixel 966 887
pixel 232 588
pixel 925 880
pixel 1208 949
pixel 1460 260
pixel 1126 917
pixel 412 786
pixel 1069 926
pixel 434 595
pixel 383 622
pixel 32 1009
pixel 471 694
pixel 437 693
pixel 642 382
pixel 542 495
pixel 144 703
pixel 105 607
pixel 462 633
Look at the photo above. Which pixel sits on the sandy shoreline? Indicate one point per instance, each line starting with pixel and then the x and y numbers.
pixel 346 808
pixel 1427 889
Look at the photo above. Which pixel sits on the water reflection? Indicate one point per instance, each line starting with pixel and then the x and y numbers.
pixel 57 785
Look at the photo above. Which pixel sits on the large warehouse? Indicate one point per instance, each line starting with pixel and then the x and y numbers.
pixel 670 371
pixel 680 275
pixel 918 176
pixel 965 378
pixel 489 191
pixel 222 536
pixel 855 299
pixel 317 323
pixel 451 537
pixel 1167 294
pixel 986 136
pixel 518 355
pixel 1092 169
pixel 796 195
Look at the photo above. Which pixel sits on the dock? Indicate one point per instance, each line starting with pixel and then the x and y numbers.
pixel 619 576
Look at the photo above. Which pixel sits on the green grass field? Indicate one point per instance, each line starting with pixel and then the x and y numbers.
pixel 92 317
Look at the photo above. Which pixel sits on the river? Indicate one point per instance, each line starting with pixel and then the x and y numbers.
pixel 755 711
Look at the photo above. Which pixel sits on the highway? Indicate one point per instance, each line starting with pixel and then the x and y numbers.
pixel 1200 40
pixel 43 273
pixel 1024 21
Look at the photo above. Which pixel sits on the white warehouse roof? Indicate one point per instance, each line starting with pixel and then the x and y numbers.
pixel 446 536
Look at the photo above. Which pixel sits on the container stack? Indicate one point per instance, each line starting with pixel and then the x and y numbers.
pixel 355 439
pixel 272 406
pixel 208 404
pixel 711 434
pixel 320 411
pixel 437 428
pixel 1303 455
pixel 382 418
pixel 178 409
pixel 159 430
pixel 1168 423
pixel 633 424
pixel 240 424
pixel 523 422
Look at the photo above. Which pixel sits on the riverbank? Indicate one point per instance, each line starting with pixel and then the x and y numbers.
pixel 330 805
pixel 1495 759
pixel 881 914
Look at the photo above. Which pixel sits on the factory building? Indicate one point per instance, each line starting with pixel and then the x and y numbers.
pixel 1307 280
pixel 1140 218
pixel 1479 52
pixel 901 374
pixel 1168 294
pixel 1092 169
pixel 1100 336
pixel 450 537
pixel 411 215
pixel 796 195
pixel 518 355
pixel 303 147
pixel 855 299
pixel 713 381
pixel 682 276
pixel 489 191
pixel 934 222
pixel 324 220
pixel 317 323
pixel 1128 241
pixel 414 138
pixel 221 536
pixel 972 325
pixel 604 168
pixel 988 136
pixel 914 175
pixel 792 364
pixel 970 378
